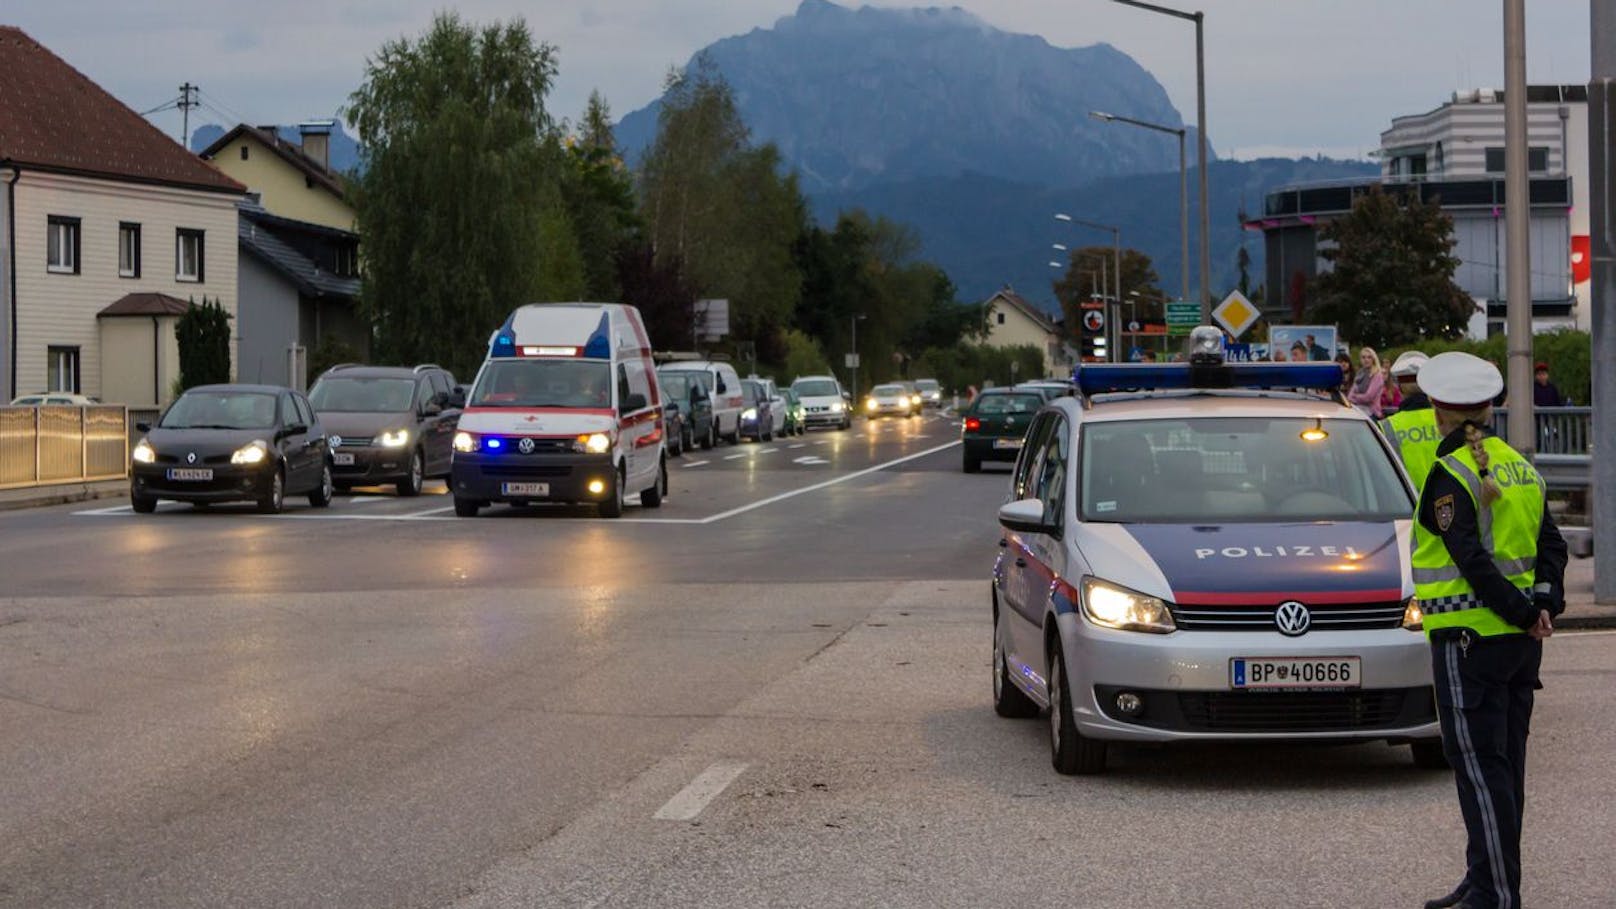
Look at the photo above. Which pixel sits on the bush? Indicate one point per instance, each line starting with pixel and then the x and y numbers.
pixel 964 365
pixel 204 339
pixel 803 357
pixel 1567 351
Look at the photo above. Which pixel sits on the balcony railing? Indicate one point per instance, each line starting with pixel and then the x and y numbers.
pixel 41 446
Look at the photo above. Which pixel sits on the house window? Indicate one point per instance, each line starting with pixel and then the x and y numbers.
pixel 128 250
pixel 1537 160
pixel 244 152
pixel 62 245
pixel 1495 160
pixel 1000 317
pixel 64 370
pixel 188 255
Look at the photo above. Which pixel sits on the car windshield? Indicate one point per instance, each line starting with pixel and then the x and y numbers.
pixel 752 392
pixel 927 384
pixel 816 388
pixel 993 405
pixel 354 394
pixel 1238 470
pixel 544 383
pixel 675 384
pixel 221 410
pixel 887 391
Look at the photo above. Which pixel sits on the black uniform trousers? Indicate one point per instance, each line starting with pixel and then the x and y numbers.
pixel 1484 692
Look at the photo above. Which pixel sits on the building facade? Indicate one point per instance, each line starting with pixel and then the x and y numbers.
pixel 299 290
pixel 290 180
pixel 1012 321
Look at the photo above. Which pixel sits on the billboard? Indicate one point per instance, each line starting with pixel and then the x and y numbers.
pixel 1301 343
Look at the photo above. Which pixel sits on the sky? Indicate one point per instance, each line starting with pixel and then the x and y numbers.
pixel 1284 77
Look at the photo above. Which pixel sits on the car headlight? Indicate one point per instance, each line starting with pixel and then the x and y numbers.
pixel 253 452
pixel 397 438
pixel 870 404
pixel 837 407
pixel 749 414
pixel 1110 606
pixel 465 441
pixel 1413 615
pixel 593 443
pixel 914 399
pixel 144 453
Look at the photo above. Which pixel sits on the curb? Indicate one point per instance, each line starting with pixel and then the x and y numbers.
pixel 64 494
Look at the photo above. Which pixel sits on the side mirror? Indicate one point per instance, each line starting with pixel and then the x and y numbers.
pixel 634 401
pixel 432 408
pixel 142 426
pixel 289 430
pixel 1026 516
pixel 457 398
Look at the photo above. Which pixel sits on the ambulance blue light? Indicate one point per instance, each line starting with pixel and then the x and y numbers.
pixel 1100 379
pixel 502 345
pixel 599 345
pixel 494 444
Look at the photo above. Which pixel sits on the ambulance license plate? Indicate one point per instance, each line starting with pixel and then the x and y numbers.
pixel 342 459
pixel 525 489
pixel 190 473
pixel 1295 672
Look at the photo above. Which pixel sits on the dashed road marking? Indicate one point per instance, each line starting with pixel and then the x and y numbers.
pixel 809 461
pixel 734 456
pixel 767 450
pixel 797 446
pixel 697 463
pixel 688 804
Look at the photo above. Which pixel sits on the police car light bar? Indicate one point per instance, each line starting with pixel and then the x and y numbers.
pixel 1100 379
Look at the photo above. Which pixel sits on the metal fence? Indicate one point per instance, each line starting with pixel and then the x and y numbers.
pixel 1560 430
pixel 40 446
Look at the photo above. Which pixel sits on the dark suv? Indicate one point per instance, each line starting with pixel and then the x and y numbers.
pixel 388 424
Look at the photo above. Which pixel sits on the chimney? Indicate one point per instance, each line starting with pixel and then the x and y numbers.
pixel 316 138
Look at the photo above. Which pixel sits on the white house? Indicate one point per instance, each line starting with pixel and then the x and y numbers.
pixel 1012 321
pixel 106 222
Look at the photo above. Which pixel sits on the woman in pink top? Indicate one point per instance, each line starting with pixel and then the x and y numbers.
pixel 1369 383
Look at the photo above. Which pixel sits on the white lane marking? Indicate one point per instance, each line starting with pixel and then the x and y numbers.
pixel 810 461
pixel 691 800
pixel 734 456
pixel 115 509
pixel 822 442
pixel 365 500
pixel 696 463
pixel 429 511
pixel 797 446
pixel 724 515
pixel 767 450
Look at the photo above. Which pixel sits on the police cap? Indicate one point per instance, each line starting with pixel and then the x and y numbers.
pixel 1408 363
pixel 1460 381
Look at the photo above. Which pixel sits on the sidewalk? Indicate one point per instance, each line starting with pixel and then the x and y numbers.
pixel 61 493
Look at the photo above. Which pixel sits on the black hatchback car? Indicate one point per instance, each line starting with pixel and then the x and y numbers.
pixel 388 424
pixel 229 443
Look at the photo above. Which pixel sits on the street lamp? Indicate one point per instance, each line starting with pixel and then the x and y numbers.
pixel 1183 193
pixel 1200 127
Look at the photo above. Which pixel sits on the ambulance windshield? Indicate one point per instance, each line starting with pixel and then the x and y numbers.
pixel 544 382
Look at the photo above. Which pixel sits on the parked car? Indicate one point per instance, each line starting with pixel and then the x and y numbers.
pixel 757 412
pixel 778 408
pixel 824 401
pixel 796 414
pixel 724 386
pixel 890 399
pixel 931 392
pixel 229 443
pixel 995 424
pixel 388 424
pixel 688 391
pixel 54 399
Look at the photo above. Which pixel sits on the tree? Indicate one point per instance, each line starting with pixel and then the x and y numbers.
pixel 1088 273
pixel 203 332
pixel 598 192
pixel 458 199
pixel 1391 280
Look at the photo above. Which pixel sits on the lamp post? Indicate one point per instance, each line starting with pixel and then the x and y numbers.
pixel 1183 193
pixel 1200 127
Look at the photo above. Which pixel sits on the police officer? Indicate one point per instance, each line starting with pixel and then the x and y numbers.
pixel 1412 429
pixel 1488 568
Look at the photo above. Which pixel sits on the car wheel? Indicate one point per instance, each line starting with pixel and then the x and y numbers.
pixel 652 498
pixel 321 496
pixel 142 504
pixel 710 439
pixel 1069 750
pixel 1008 700
pixel 467 508
pixel 973 465
pixel 734 438
pixel 845 426
pixel 274 499
pixel 1428 754
pixel 411 484
pixel 613 507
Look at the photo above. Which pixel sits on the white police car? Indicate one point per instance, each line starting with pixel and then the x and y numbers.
pixel 1207 551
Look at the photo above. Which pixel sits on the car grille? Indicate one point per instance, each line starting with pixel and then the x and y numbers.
pixel 357 442
pixel 1291 711
pixel 540 446
pixel 527 471
pixel 1330 617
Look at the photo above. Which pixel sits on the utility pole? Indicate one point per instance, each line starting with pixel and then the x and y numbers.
pixel 187 101
pixel 1522 428
pixel 1602 220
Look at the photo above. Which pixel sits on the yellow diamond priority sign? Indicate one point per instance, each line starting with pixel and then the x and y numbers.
pixel 1236 313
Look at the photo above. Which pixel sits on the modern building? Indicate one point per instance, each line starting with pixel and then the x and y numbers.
pixel 1012 321
pixel 1454 156
pixel 108 228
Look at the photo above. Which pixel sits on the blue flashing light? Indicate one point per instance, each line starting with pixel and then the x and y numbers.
pixel 493 444
pixel 1100 379
pixel 503 344
pixel 599 345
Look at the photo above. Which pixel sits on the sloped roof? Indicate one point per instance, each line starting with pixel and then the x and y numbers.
pixel 286 151
pixel 53 117
pixel 1018 302
pixel 146 304
pixel 255 231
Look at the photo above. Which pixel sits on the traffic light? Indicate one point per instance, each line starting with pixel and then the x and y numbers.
pixel 1093 346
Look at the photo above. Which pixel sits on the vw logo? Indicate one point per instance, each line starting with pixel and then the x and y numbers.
pixel 525 446
pixel 336 441
pixel 190 457
pixel 1292 618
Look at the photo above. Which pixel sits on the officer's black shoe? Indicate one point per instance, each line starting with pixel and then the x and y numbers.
pixel 1452 899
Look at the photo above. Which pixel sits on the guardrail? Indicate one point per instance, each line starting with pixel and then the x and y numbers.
pixel 41 446
pixel 1560 430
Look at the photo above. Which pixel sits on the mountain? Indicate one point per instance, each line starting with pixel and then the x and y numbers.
pixel 344 148
pixel 853 97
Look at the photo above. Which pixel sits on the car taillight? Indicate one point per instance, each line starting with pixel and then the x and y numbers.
pixel 972 424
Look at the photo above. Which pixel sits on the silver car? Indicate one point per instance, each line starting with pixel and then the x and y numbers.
pixel 1192 564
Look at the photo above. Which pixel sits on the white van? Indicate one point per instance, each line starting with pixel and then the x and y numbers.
pixel 725 385
pixel 565 409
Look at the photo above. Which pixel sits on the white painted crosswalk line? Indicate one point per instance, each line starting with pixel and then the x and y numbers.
pixel 689 802
pixel 797 446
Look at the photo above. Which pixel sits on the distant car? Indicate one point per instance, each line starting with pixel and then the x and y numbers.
pixel 388 424
pixel 892 400
pixel 823 401
pixel 228 443
pixel 54 399
pixel 778 408
pixel 796 413
pixel 931 392
pixel 995 424
pixel 688 390
pixel 757 411
pixel 1050 389
pixel 916 399
pixel 723 386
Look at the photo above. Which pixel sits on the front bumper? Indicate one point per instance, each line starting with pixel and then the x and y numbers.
pixel 889 410
pixel 485 477
pixel 371 464
pixel 825 417
pixel 1183 681
pixel 230 483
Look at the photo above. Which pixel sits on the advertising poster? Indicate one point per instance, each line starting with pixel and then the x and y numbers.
pixel 1301 343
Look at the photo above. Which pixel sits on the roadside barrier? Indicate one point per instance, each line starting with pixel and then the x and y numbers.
pixel 41 446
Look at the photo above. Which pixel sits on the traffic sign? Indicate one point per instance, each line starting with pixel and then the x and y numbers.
pixel 1236 313
pixel 1182 316
pixel 1094 320
pixel 852 361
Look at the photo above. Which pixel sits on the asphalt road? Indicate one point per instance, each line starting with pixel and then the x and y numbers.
pixel 771 691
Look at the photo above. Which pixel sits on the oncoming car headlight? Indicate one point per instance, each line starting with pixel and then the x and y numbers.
pixel 396 438
pixel 593 443
pixel 465 441
pixel 144 453
pixel 871 404
pixel 253 452
pixel 1111 606
pixel 1413 615
pixel 837 407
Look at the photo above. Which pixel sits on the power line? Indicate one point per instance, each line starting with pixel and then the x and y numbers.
pixel 166 105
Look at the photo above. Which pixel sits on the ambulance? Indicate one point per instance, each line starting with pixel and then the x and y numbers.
pixel 565 409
